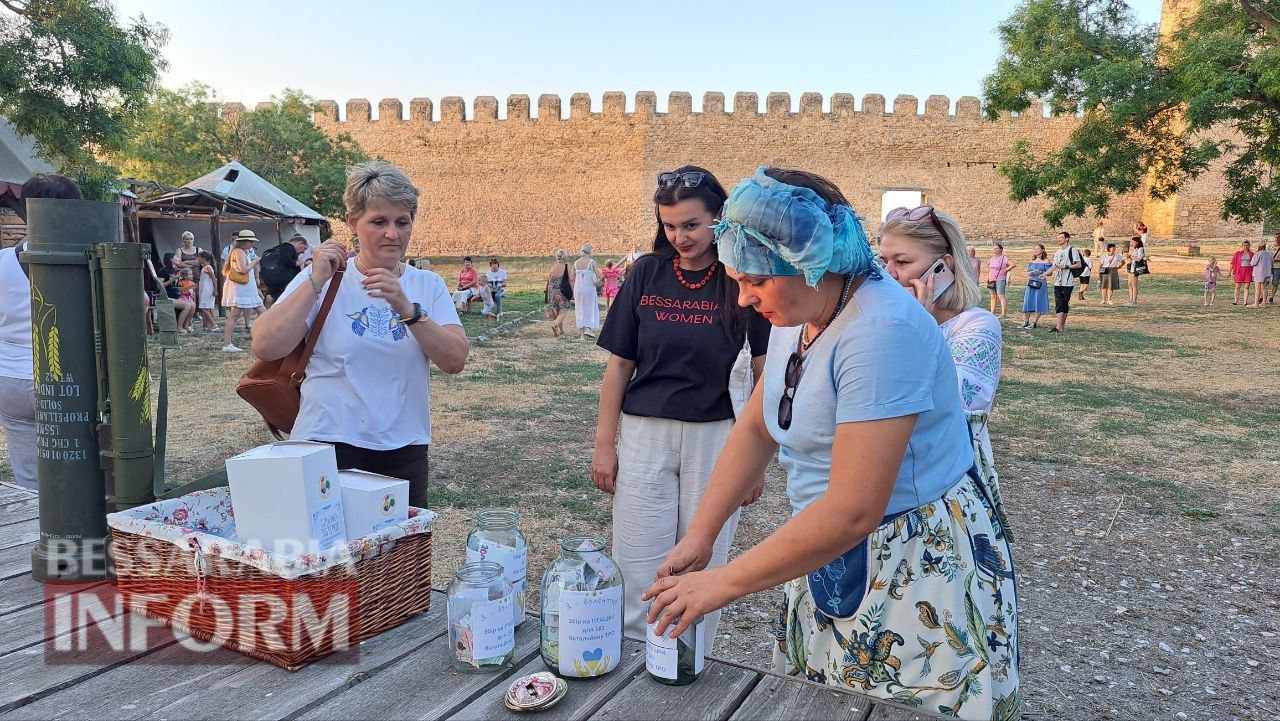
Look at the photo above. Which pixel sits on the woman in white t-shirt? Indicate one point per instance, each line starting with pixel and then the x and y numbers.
pixel 496 280
pixel 367 389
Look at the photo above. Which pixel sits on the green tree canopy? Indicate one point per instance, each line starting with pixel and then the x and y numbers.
pixel 1157 112
pixel 71 76
pixel 183 134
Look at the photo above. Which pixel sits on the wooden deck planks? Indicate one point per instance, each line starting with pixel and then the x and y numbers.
pixel 783 699
pixel 178 683
pixel 585 697
pixel 714 696
pixel 24 510
pixel 422 685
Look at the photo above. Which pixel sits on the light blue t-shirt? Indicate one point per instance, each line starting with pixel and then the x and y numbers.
pixel 883 357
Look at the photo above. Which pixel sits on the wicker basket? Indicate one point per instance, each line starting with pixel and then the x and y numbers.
pixel 391 587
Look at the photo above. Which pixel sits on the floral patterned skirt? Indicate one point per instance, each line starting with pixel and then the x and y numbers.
pixel 937 624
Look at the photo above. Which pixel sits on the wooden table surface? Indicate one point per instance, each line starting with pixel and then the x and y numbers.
pixel 403 673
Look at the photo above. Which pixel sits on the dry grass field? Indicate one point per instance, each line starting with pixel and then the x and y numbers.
pixel 1139 454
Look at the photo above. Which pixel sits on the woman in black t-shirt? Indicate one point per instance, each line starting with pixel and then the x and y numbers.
pixel 673 334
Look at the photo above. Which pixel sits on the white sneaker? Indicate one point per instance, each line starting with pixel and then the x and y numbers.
pixel 230 348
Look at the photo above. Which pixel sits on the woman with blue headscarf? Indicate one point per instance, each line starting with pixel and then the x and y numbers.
pixel 898 575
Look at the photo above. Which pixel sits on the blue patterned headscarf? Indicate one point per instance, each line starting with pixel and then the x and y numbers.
pixel 770 228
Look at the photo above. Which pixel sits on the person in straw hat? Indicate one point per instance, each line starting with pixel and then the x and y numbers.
pixel 243 296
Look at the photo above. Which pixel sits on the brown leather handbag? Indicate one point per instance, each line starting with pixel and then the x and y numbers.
pixel 274 388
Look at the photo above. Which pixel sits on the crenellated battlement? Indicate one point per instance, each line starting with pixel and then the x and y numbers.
pixel 533 173
pixel 644 106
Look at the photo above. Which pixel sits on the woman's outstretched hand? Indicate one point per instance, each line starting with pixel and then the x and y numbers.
pixel 688 597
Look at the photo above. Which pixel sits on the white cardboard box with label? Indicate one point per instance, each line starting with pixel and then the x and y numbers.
pixel 371 502
pixel 286 497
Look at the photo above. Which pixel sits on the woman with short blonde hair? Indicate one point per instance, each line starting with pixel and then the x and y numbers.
pixel 367 387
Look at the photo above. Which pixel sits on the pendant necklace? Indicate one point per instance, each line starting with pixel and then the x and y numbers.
pixel 805 341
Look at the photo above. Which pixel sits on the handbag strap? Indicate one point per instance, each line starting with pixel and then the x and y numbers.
pixel 313 335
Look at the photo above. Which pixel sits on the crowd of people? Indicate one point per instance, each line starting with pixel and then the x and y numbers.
pixel 1252 272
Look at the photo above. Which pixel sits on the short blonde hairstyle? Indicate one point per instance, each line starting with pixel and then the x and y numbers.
pixel 188 234
pixel 562 256
pixel 963 293
pixel 381 180
pixel 586 249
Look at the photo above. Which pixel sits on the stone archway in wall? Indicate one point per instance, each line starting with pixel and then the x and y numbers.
pixel 900 198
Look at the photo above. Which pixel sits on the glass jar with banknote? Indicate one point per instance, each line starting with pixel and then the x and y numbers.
pixel 481 618
pixel 582 610
pixel 497 538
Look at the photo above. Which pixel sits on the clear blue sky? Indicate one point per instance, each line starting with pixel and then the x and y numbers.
pixel 377 49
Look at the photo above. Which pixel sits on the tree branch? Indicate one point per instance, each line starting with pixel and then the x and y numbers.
pixel 1259 15
pixel 18 7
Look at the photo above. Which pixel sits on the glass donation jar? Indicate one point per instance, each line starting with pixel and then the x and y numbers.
pixel 582 610
pixel 497 538
pixel 676 661
pixel 481 618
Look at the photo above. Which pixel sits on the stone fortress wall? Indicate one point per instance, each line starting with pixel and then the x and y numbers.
pixel 529 183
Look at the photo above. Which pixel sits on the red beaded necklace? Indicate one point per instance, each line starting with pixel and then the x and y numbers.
pixel 675 262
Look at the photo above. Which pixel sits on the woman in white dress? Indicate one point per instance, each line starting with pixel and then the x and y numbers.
pixel 240 297
pixel 585 301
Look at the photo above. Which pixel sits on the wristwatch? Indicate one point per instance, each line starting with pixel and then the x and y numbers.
pixel 418 315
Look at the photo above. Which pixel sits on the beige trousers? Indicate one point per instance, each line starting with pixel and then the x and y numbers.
pixel 663 469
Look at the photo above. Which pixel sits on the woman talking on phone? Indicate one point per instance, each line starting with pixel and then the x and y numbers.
pixel 898 575
pixel 918 249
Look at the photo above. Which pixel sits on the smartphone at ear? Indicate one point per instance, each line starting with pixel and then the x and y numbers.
pixel 942 277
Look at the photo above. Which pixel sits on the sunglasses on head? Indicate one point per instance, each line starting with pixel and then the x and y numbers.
pixel 919 213
pixel 689 178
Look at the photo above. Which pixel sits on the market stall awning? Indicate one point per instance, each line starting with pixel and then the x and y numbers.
pixel 233 189
pixel 18 159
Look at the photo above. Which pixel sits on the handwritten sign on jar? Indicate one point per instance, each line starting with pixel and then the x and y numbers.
pixel 590 631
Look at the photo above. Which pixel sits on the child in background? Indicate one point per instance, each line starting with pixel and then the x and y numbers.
pixel 204 292
pixel 186 291
pixel 1086 273
pixel 1211 274
pixel 610 288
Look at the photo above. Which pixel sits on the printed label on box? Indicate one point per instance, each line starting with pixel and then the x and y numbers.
pixel 660 654
pixel 590 631
pixel 492 627
pixel 327 525
pixel 514 562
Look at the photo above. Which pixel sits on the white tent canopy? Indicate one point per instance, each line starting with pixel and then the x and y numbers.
pixel 239 198
pixel 233 180
pixel 18 158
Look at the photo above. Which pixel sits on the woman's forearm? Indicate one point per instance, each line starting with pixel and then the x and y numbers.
pixel 283 326
pixel 864 465
pixel 617 374
pixel 445 345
